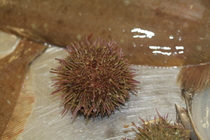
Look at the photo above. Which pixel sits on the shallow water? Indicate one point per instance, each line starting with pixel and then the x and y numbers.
pixel 167 33
pixel 157 90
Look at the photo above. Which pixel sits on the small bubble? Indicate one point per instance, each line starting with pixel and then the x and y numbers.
pixel 80 14
pixel 127 2
pixel 8 102
pixel 171 37
pixel 79 37
pixel 33 25
pixel 122 41
pixel 199 48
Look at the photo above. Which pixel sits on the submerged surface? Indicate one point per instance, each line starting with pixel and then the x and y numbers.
pixel 157 90
pixel 158 33
pixel 13 69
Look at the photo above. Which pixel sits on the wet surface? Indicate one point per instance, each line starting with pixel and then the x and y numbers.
pixel 13 69
pixel 163 33
pixel 157 90
pixel 155 33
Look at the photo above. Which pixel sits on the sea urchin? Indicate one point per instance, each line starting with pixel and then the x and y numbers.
pixel 160 129
pixel 94 79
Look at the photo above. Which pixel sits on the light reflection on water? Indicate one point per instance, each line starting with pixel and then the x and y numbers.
pixel 143 33
pixel 166 50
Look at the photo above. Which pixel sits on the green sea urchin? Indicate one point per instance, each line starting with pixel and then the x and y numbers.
pixel 160 129
pixel 95 79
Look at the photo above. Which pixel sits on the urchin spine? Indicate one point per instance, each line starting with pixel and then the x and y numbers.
pixel 94 79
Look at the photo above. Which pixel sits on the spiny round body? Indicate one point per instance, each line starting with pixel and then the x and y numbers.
pixel 161 129
pixel 94 79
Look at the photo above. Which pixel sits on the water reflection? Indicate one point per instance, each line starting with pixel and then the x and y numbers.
pixel 180 47
pixel 166 50
pixel 158 47
pixel 143 33
pixel 171 37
